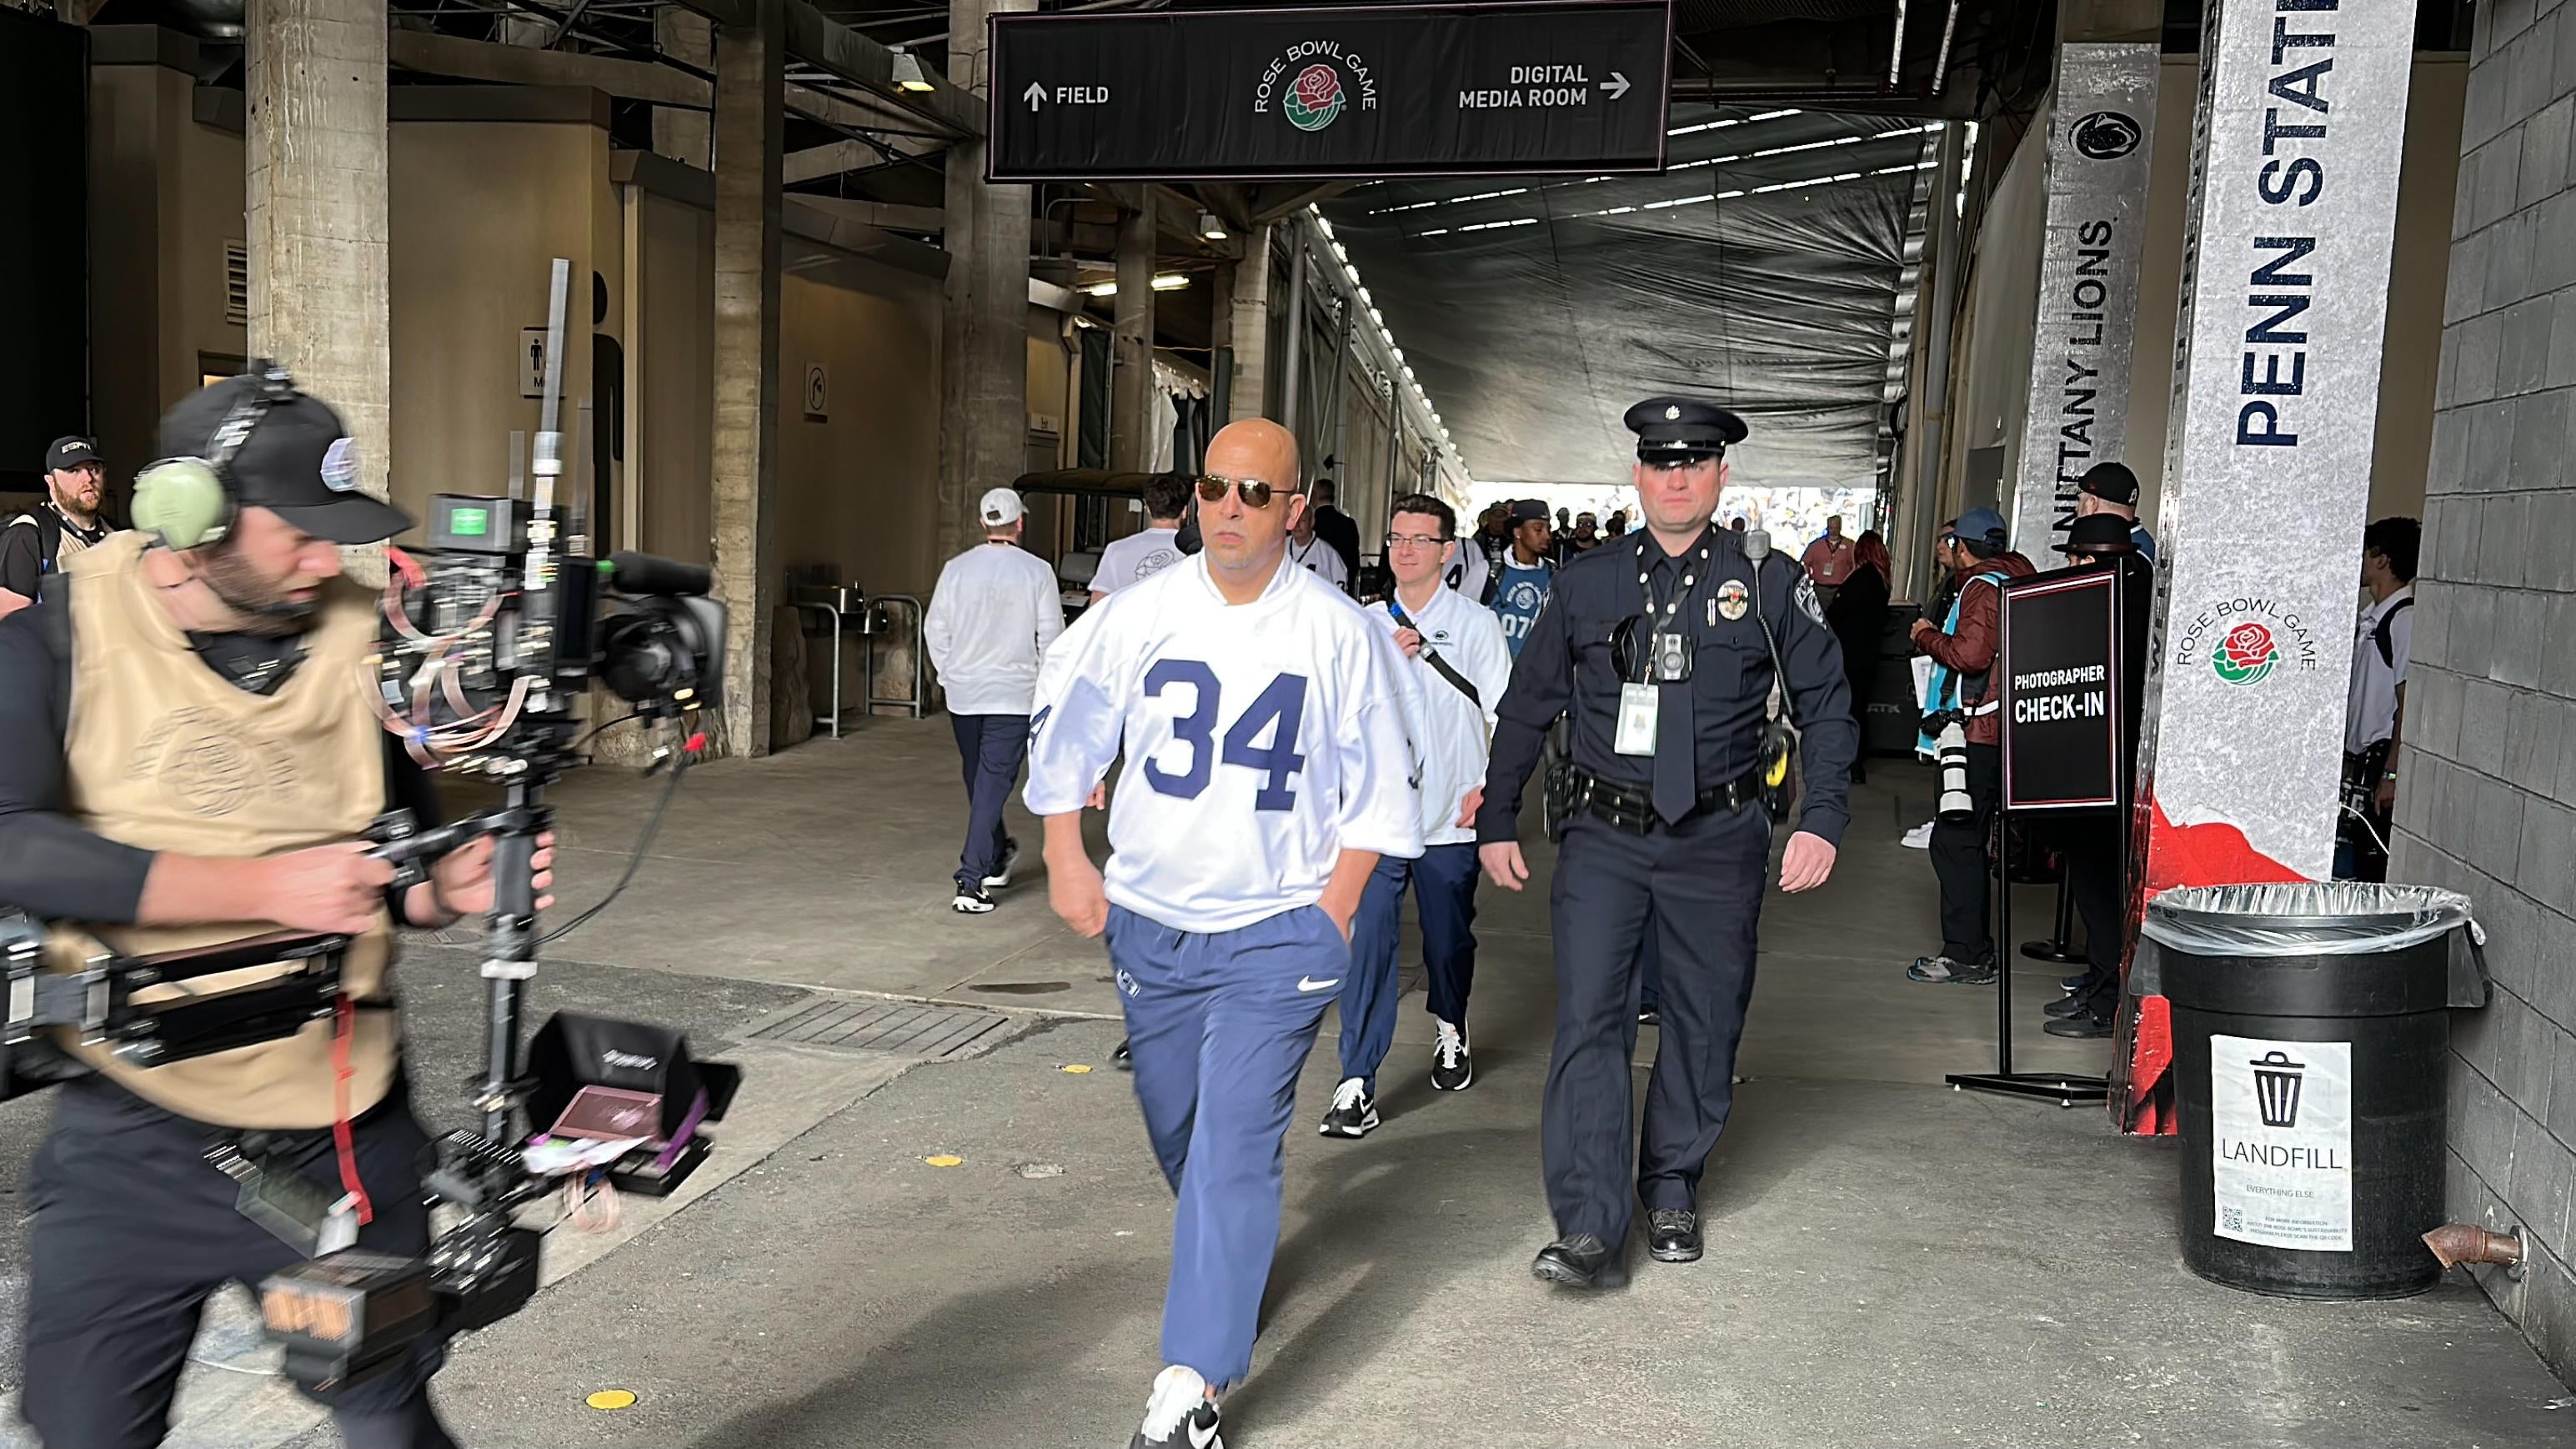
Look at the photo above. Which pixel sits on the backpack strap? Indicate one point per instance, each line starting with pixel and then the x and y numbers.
pixel 2382 635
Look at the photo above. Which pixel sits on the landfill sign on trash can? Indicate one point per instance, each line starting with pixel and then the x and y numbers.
pixel 2281 1142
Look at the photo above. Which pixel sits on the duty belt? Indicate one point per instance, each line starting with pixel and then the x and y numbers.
pixel 1632 807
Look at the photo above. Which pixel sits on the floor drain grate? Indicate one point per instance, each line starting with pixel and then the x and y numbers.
pixel 885 1026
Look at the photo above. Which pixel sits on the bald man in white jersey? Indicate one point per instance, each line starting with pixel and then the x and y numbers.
pixel 1268 768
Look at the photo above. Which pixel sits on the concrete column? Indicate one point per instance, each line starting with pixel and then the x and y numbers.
pixel 1131 383
pixel 984 334
pixel 1936 307
pixel 1249 328
pixel 749 128
pixel 315 157
pixel 683 35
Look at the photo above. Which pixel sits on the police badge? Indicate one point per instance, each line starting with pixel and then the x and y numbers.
pixel 1732 599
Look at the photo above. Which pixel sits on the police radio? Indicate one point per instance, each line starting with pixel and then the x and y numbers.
pixel 1778 756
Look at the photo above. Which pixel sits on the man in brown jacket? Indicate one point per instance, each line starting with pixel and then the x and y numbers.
pixel 189 757
pixel 1964 648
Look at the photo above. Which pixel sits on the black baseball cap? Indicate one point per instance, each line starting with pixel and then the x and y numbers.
pixel 70 452
pixel 2112 483
pixel 2098 533
pixel 297 462
pixel 1529 510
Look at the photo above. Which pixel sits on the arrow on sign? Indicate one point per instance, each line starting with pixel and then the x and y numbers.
pixel 1034 94
pixel 1616 85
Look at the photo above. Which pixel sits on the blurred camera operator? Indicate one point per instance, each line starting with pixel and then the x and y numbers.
pixel 189 756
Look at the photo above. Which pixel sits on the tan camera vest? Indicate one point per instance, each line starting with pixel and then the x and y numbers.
pixel 164 754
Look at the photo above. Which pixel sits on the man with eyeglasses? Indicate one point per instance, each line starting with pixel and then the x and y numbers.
pixel 1269 769
pixel 1459 669
pixel 1663 651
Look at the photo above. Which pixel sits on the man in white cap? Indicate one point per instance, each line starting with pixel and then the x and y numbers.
pixel 991 618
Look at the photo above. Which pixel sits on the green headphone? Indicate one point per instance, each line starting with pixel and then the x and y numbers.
pixel 189 502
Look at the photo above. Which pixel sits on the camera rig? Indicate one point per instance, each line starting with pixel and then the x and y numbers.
pixel 493 634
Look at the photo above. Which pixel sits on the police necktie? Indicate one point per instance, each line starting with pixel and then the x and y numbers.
pixel 1676 737
pixel 1676 753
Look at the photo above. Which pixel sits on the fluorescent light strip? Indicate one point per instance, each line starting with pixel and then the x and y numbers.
pixel 1677 166
pixel 1736 121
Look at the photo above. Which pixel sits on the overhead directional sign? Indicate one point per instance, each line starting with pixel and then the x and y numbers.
pixel 1409 90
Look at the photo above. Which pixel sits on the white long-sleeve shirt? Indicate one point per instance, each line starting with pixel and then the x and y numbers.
pixel 1262 740
pixel 1452 735
pixel 991 617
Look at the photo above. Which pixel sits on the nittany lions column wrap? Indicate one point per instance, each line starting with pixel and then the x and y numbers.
pixel 2099 146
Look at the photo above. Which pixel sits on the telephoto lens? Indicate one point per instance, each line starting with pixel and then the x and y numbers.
pixel 1950 753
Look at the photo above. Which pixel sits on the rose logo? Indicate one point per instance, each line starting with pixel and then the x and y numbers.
pixel 1315 98
pixel 2246 655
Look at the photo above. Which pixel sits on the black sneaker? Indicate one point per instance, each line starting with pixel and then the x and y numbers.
pixel 2074 982
pixel 1453 1067
pixel 1353 1113
pixel 1001 875
pixel 2066 1006
pixel 2086 1027
pixel 1123 1058
pixel 1650 1014
pixel 1945 971
pixel 1180 1415
pixel 971 901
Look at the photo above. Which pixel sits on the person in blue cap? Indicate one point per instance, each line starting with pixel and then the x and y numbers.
pixel 1661 648
pixel 1962 647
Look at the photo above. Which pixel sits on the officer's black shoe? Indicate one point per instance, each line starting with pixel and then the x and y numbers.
pixel 1672 1235
pixel 2066 1006
pixel 2086 1027
pixel 1580 1261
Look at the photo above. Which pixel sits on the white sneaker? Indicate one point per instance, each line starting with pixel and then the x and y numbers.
pixel 1453 1069
pixel 1353 1113
pixel 1180 1415
pixel 1920 837
pixel 1001 876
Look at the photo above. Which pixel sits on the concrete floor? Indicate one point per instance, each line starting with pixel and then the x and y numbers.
pixel 1890 1262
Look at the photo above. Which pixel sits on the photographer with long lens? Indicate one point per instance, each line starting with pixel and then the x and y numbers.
pixel 189 755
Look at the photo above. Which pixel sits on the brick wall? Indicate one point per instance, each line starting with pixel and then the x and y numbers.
pixel 2487 802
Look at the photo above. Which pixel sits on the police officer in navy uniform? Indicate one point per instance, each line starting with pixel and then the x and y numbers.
pixel 1655 645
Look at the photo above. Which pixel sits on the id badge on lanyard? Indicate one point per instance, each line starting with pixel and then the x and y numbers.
pixel 1636 733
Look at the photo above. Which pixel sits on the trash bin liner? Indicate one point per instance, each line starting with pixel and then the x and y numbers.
pixel 2311 1029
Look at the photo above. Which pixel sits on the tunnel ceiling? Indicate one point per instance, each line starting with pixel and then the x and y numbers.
pixel 1763 268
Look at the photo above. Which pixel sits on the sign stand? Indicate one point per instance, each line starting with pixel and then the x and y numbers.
pixel 2055 949
pixel 2068 714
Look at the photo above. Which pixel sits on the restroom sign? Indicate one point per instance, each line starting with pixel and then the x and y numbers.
pixel 2280 1142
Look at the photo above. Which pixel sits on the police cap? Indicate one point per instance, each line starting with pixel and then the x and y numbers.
pixel 1682 429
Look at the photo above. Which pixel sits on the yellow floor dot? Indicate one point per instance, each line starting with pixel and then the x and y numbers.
pixel 611 1399
pixel 943 1160
pixel 1077 1069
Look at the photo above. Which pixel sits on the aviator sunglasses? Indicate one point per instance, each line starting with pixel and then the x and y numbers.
pixel 1253 492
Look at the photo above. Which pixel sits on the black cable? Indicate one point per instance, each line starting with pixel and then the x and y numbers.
pixel 594 731
pixel 634 862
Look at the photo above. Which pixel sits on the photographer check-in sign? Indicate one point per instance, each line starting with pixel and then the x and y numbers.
pixel 2062 692
pixel 1213 95
pixel 2280 1142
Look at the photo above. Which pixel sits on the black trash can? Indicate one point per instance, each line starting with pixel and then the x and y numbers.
pixel 2311 1031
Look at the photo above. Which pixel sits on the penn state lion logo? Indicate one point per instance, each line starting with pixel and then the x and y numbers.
pixel 208 767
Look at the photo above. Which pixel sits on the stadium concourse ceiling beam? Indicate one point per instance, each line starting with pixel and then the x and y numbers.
pixel 864 63
pixel 887 129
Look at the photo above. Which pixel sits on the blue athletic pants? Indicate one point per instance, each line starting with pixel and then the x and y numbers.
pixel 1218 1027
pixel 1444 894
pixel 991 747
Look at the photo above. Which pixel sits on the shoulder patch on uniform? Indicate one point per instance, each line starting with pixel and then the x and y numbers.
pixel 1807 599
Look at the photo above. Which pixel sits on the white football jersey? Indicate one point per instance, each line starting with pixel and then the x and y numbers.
pixel 1262 740
pixel 1318 558
pixel 1452 734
